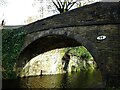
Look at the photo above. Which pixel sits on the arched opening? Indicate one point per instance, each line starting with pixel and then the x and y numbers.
pixel 46 44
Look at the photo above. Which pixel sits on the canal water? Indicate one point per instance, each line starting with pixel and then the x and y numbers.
pixel 83 79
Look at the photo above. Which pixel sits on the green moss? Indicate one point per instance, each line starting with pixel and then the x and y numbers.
pixel 12 41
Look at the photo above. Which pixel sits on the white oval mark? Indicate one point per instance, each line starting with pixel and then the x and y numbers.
pixel 102 37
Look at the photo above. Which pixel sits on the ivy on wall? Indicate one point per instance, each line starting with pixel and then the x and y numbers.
pixel 12 41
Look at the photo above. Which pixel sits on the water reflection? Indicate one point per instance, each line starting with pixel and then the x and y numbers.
pixel 85 79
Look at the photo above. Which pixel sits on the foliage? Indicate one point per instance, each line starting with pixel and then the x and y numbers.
pixel 112 88
pixel 12 41
pixel 79 51
pixel 83 57
pixel 10 74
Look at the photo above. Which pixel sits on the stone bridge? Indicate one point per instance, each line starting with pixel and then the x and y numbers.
pixel 95 26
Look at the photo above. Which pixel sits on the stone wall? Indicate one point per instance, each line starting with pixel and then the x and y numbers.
pixel 49 62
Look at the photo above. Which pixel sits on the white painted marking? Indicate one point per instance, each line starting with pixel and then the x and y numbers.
pixel 102 37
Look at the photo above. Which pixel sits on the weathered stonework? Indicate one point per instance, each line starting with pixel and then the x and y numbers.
pixel 50 63
pixel 78 27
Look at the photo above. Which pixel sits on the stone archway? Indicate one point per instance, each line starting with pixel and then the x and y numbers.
pixel 51 41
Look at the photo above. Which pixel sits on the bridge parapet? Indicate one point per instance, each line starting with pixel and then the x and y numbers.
pixel 101 13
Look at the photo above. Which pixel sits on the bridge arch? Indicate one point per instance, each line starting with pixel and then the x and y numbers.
pixel 52 40
pixel 79 30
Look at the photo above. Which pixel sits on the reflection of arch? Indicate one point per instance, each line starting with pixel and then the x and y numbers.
pixel 48 41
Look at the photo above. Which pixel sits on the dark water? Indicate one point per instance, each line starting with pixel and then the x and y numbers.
pixel 84 79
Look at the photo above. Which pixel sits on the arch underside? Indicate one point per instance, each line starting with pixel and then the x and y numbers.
pixel 45 44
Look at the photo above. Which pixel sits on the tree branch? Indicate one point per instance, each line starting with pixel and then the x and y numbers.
pixel 71 5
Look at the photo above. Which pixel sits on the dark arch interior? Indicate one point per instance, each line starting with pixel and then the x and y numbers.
pixel 44 44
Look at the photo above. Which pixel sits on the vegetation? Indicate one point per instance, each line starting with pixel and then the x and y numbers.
pixel 64 6
pixel 79 51
pixel 83 56
pixel 12 41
